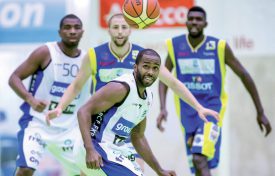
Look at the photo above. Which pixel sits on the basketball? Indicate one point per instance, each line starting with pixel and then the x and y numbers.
pixel 141 14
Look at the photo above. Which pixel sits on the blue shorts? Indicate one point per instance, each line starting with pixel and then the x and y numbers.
pixel 206 141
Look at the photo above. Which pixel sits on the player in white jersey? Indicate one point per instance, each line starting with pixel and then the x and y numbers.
pixel 125 103
pixel 52 68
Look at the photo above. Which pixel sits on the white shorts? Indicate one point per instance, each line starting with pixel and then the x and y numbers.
pixel 37 137
pixel 114 161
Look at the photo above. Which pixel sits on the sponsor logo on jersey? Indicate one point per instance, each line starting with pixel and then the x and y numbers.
pixel 198 140
pixel 69 109
pixel 211 45
pixel 123 127
pixel 58 89
pixel 199 86
pixel 68 145
pixel 37 138
pixel 196 66
pixel 134 54
pixel 96 124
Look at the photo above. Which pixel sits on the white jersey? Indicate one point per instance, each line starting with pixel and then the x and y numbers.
pixel 49 84
pixel 114 125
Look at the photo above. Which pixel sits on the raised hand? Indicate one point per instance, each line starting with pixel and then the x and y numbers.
pixel 264 124
pixel 53 114
pixel 204 112
pixel 161 117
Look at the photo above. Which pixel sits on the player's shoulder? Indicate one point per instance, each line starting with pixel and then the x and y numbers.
pixel 181 36
pixel 42 50
pixel 136 46
pixel 101 46
pixel 210 37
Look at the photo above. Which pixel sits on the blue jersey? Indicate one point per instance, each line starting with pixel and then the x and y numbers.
pixel 202 70
pixel 107 66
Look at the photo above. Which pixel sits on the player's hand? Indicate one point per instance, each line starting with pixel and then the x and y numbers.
pixel 53 114
pixel 204 112
pixel 264 124
pixel 37 105
pixel 161 117
pixel 167 173
pixel 93 159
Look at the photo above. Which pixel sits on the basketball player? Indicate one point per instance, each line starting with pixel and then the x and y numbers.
pixel 122 106
pixel 202 70
pixel 112 59
pixel 52 67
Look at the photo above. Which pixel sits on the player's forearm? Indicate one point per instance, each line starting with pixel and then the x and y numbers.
pixel 84 120
pixel 143 149
pixel 251 88
pixel 71 92
pixel 162 95
pixel 182 91
pixel 18 87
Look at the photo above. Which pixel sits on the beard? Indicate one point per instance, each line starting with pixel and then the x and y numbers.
pixel 71 44
pixel 120 44
pixel 195 35
pixel 140 80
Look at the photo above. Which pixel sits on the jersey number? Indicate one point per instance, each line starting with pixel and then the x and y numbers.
pixel 70 69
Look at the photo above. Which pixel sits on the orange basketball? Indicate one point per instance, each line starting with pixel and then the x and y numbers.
pixel 141 13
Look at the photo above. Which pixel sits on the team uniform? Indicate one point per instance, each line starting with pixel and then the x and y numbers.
pixel 112 128
pixel 35 135
pixel 202 70
pixel 106 66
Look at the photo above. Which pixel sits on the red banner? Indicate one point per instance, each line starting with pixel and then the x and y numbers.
pixel 173 13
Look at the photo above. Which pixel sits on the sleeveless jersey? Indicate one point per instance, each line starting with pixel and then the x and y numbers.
pixel 49 84
pixel 106 66
pixel 202 70
pixel 114 125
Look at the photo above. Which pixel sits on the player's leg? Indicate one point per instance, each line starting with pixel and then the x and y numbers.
pixel 134 156
pixel 61 145
pixel 30 149
pixel 79 154
pixel 203 147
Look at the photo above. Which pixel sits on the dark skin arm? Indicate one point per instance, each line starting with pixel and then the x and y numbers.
pixel 250 86
pixel 38 59
pixel 141 145
pixel 162 95
pixel 101 101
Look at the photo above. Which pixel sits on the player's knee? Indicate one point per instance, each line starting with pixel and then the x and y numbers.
pixel 199 161
pixel 24 172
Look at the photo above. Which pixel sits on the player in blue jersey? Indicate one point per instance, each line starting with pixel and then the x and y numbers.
pixel 52 67
pixel 199 62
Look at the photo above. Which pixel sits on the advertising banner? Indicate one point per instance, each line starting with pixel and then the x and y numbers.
pixel 29 20
pixel 172 13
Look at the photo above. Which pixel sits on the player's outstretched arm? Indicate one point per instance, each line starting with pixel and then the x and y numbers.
pixel 162 97
pixel 73 90
pixel 182 91
pixel 142 147
pixel 250 86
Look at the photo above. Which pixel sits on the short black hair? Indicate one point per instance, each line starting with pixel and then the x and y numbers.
pixel 148 52
pixel 69 16
pixel 113 16
pixel 197 9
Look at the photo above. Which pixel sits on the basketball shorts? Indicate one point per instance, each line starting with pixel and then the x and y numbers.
pixel 206 140
pixel 115 160
pixel 37 137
